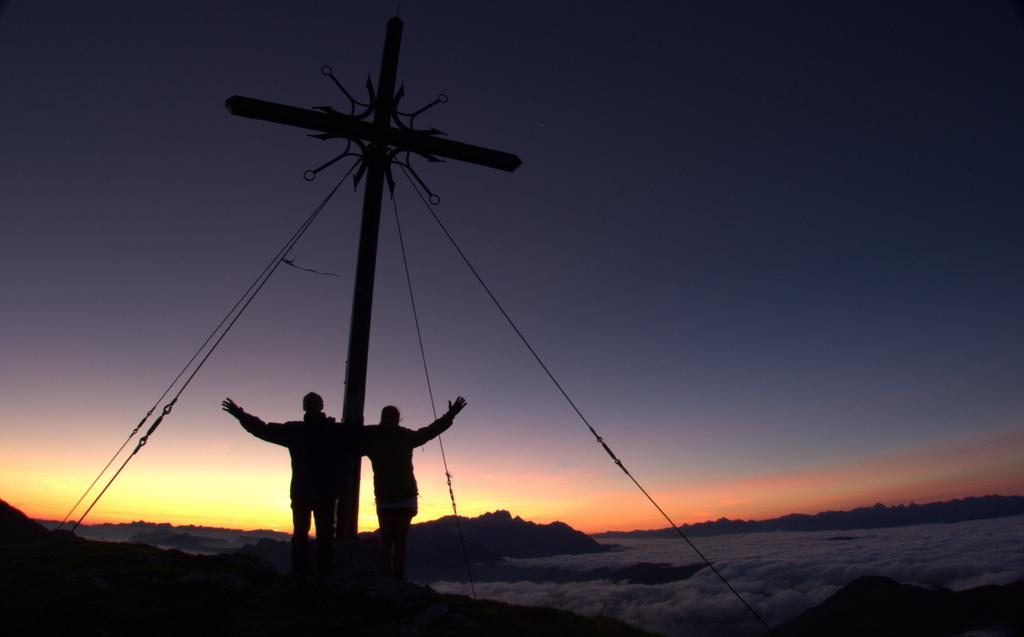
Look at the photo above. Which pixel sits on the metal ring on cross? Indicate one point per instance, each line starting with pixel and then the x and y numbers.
pixel 309 175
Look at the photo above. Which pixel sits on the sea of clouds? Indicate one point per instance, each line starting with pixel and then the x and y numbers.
pixel 780 574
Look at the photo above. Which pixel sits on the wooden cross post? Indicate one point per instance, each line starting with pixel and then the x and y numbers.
pixel 380 141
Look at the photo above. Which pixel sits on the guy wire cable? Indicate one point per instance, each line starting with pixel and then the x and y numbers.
pixel 181 373
pixel 268 271
pixel 430 392
pixel 579 413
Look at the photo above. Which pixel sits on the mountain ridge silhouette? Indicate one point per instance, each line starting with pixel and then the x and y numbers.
pixel 871 517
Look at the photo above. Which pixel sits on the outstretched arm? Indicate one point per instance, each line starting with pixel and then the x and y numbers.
pixel 271 432
pixel 436 428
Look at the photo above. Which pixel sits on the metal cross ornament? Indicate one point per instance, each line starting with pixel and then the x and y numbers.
pixel 377 128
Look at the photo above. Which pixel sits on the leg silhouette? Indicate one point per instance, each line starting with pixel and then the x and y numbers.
pixel 401 526
pixel 300 543
pixel 323 515
pixel 387 541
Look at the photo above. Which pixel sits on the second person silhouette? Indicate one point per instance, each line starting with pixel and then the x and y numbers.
pixel 389 447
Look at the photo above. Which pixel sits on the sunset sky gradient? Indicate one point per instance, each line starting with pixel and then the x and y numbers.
pixel 772 251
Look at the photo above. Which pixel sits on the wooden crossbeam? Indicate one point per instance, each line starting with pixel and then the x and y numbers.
pixel 345 126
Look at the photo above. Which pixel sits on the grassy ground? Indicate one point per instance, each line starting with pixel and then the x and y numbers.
pixel 97 588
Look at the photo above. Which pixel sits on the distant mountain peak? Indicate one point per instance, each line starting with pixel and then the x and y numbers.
pixel 500 514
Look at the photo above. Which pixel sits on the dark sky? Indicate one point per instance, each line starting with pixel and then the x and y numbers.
pixel 751 238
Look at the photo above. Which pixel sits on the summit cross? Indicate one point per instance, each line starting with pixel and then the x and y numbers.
pixel 380 141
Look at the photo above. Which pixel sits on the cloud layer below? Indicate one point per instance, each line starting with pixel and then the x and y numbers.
pixel 779 574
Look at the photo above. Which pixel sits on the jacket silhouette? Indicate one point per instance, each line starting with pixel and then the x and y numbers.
pixel 390 452
pixel 315 445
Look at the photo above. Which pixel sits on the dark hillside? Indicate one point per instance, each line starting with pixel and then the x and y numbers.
pixel 64 586
pixel 17 528
pixel 880 607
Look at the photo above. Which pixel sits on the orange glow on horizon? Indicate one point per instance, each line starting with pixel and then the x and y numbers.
pixel 243 494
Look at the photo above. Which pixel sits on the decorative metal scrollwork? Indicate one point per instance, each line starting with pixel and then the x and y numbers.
pixel 403 120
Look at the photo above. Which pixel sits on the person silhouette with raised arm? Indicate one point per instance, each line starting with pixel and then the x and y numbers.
pixel 315 444
pixel 389 448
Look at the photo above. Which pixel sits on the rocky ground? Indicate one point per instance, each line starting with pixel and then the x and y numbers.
pixel 97 588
